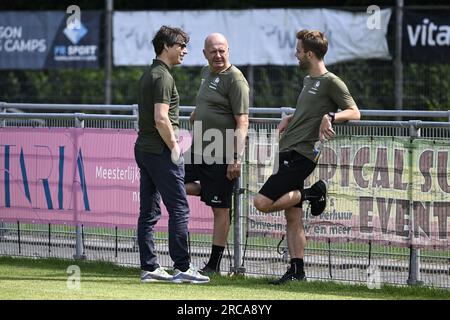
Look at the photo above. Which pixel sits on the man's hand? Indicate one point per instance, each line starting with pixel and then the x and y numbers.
pixel 326 129
pixel 284 124
pixel 192 117
pixel 176 154
pixel 234 170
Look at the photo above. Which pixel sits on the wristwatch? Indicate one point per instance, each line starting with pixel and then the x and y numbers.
pixel 331 115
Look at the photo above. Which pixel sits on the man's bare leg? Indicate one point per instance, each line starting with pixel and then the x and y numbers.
pixel 296 240
pixel 221 226
pixel 288 200
pixel 295 233
pixel 193 188
pixel 220 236
pixel 220 231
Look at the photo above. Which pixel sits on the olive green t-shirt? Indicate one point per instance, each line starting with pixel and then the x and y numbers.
pixel 220 97
pixel 155 86
pixel 320 95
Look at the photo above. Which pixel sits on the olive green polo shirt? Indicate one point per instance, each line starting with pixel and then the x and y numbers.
pixel 155 86
pixel 320 95
pixel 220 98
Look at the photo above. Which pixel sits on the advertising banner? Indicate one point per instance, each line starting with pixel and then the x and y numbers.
pixel 386 190
pixel 256 37
pixel 426 36
pixel 45 40
pixel 71 176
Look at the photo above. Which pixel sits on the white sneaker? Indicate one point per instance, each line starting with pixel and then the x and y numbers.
pixel 158 275
pixel 191 275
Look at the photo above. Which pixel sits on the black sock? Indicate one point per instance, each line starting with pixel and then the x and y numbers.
pixel 297 265
pixel 306 193
pixel 216 257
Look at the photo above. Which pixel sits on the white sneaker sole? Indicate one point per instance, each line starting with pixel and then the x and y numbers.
pixel 190 281
pixel 156 280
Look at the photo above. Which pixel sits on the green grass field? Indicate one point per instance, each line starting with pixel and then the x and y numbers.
pixel 47 279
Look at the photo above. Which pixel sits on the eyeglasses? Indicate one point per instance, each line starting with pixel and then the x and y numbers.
pixel 182 45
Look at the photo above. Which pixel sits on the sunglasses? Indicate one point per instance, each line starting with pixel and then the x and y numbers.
pixel 182 45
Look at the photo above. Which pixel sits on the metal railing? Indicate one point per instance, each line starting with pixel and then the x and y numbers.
pixel 332 261
pixel 132 108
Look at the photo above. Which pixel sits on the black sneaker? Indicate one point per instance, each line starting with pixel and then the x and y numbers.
pixel 208 270
pixel 290 275
pixel 319 192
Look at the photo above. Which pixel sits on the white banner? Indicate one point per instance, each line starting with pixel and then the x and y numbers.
pixel 256 37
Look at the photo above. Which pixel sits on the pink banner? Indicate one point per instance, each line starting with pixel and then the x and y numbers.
pixel 70 176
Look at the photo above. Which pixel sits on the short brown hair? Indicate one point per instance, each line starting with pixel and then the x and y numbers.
pixel 314 41
pixel 169 36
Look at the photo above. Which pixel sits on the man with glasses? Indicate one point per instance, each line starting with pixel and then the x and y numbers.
pixel 323 93
pixel 157 154
pixel 221 109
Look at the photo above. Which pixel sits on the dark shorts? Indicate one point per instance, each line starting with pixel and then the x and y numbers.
pixel 293 169
pixel 216 189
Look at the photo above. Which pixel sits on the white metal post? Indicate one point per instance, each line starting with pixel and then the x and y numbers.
pixel 79 249
pixel 238 227
pixel 414 259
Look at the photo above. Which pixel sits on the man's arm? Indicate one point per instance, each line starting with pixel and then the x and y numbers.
pixel 284 123
pixel 326 128
pixel 350 113
pixel 234 169
pixel 165 129
pixel 240 134
pixel 192 117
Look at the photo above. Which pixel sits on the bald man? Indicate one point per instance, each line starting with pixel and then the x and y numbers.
pixel 222 107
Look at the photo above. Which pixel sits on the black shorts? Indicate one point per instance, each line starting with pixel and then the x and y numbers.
pixel 293 169
pixel 216 189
